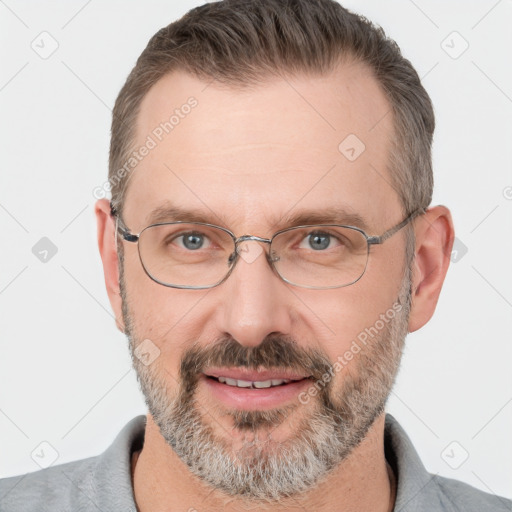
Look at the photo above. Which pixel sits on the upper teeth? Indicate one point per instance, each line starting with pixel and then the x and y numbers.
pixel 253 384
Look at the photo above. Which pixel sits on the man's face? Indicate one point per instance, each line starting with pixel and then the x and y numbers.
pixel 246 160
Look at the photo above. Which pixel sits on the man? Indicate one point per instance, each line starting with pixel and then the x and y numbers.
pixel 268 246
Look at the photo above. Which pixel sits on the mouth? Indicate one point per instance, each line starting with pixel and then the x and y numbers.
pixel 258 384
pixel 254 390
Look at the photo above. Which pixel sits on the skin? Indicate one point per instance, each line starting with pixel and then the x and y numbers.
pixel 246 158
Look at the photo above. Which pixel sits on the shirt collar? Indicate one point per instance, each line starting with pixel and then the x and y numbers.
pixel 416 488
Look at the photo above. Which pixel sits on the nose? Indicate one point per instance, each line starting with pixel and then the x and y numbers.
pixel 255 301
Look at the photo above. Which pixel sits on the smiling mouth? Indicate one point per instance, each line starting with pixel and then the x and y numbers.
pixel 251 390
pixel 258 384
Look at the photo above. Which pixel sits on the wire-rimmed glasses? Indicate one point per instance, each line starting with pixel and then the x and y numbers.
pixel 196 255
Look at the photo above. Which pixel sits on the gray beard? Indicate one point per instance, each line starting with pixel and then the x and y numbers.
pixel 330 426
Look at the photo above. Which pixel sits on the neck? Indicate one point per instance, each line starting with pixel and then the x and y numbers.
pixel 364 481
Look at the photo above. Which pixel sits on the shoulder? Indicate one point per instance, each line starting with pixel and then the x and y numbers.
pixel 418 490
pixel 97 483
pixel 458 496
pixel 54 488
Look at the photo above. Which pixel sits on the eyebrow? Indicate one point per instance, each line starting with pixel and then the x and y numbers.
pixel 170 213
pixel 326 216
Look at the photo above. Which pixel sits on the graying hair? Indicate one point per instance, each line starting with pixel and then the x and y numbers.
pixel 240 43
pixel 261 469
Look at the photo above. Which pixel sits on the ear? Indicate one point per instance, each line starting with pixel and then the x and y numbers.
pixel 434 241
pixel 107 245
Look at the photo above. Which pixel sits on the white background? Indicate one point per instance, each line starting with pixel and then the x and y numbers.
pixel 65 374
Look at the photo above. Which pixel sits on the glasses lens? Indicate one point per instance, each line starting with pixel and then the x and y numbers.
pixel 188 255
pixel 320 256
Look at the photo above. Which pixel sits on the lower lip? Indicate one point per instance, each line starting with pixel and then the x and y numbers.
pixel 249 399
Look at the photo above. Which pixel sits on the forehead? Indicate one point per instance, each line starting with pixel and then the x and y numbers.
pixel 252 155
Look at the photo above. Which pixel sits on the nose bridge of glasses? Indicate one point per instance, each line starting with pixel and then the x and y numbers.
pixel 245 238
pixel 249 252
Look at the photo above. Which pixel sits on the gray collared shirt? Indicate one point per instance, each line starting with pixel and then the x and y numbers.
pixel 103 483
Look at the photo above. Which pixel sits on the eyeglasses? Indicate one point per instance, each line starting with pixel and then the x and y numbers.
pixel 196 255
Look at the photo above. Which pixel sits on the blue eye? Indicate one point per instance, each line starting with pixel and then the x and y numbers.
pixel 191 241
pixel 319 241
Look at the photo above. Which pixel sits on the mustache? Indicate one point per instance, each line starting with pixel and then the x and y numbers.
pixel 274 352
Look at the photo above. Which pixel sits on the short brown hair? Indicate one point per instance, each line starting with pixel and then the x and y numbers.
pixel 241 42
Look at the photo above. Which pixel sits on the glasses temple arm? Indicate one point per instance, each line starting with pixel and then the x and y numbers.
pixel 120 226
pixel 390 232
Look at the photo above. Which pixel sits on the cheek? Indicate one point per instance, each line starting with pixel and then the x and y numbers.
pixel 346 314
pixel 159 313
